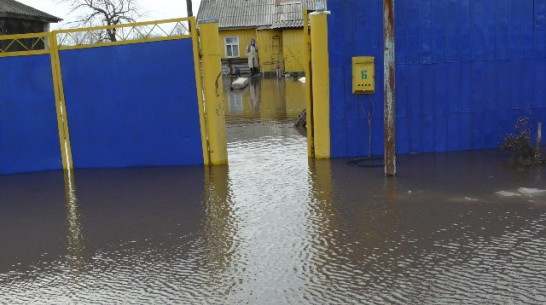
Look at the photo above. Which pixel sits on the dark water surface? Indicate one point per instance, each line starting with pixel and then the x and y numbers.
pixel 277 228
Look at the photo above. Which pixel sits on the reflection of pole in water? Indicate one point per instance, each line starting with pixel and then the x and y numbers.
pixel 281 106
pixel 255 93
pixel 220 224
pixel 73 223
pixel 322 218
pixel 391 197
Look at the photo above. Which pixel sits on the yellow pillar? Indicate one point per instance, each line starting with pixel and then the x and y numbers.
pixel 199 85
pixel 320 66
pixel 62 116
pixel 308 82
pixel 215 111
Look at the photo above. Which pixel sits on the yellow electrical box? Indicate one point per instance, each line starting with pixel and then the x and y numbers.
pixel 363 75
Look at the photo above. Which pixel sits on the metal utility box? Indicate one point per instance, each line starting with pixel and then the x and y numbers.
pixel 363 75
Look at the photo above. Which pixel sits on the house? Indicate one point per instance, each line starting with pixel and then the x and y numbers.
pixel 18 18
pixel 276 25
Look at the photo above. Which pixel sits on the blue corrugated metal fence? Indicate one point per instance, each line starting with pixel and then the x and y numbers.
pixel 29 136
pixel 466 70
pixel 133 105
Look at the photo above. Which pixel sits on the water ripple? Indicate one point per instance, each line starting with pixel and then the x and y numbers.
pixel 274 227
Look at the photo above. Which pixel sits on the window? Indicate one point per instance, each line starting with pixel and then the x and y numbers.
pixel 232 46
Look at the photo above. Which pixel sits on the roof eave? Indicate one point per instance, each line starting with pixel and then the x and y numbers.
pixel 234 28
pixel 287 27
pixel 31 18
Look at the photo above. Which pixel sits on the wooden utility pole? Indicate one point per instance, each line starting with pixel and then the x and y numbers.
pixel 190 12
pixel 189 7
pixel 389 87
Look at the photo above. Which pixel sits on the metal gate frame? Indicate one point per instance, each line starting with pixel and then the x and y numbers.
pixel 94 37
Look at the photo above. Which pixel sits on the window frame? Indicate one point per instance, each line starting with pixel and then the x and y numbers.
pixel 232 45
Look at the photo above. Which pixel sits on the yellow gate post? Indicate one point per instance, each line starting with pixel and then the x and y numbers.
pixel 215 111
pixel 308 82
pixel 199 85
pixel 320 66
pixel 62 117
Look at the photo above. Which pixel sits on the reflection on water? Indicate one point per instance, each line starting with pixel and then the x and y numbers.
pixel 73 223
pixel 265 99
pixel 276 228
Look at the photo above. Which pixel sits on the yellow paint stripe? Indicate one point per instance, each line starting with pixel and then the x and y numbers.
pixel 199 84
pixel 25 36
pixel 24 53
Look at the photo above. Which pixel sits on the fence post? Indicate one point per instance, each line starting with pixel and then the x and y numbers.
pixel 308 83
pixel 320 76
pixel 62 117
pixel 199 87
pixel 215 112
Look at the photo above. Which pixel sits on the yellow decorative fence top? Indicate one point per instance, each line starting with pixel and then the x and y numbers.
pixel 39 43
pixel 24 44
pixel 123 34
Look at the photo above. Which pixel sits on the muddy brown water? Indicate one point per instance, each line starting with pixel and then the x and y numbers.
pixel 277 228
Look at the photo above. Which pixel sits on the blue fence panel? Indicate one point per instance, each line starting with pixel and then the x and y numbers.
pixel 466 70
pixel 428 89
pixel 503 31
pixel 452 26
pixel 466 30
pixel 503 84
pixel 413 33
pixel 515 31
pixel 454 132
pixel 29 134
pixel 438 32
pixel 528 28
pixel 349 126
pixel 540 28
pixel 453 78
pixel 441 133
pixel 540 84
pixel 133 105
pixel 516 84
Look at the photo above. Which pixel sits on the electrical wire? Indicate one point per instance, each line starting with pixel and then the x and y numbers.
pixel 370 161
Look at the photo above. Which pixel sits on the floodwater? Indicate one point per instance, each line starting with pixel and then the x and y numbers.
pixel 276 228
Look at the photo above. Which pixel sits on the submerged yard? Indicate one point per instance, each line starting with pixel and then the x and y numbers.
pixel 274 227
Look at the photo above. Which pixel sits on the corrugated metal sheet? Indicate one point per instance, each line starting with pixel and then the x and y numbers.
pixel 11 8
pixel 232 14
pixel 465 71
pixel 238 13
pixel 288 15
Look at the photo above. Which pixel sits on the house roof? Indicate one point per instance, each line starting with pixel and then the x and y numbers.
pixel 236 14
pixel 14 9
